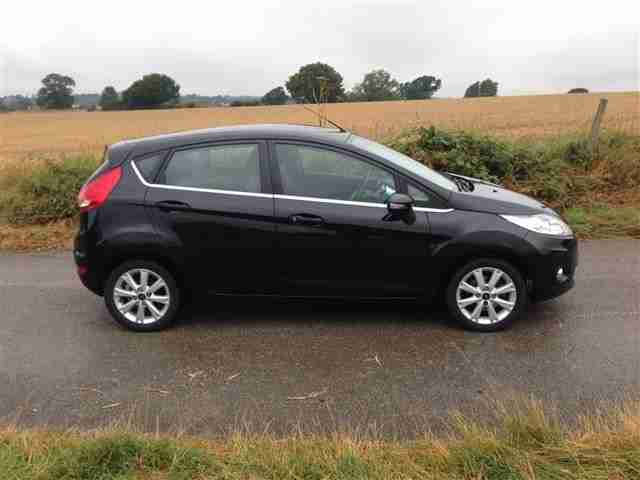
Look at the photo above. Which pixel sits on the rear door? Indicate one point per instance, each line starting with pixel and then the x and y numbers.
pixel 334 236
pixel 213 206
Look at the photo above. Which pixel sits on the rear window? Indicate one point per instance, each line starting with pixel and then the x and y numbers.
pixel 148 166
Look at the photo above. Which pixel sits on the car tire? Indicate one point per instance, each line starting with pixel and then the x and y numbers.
pixel 482 302
pixel 145 301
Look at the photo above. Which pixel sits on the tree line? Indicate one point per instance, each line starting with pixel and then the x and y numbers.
pixel 313 83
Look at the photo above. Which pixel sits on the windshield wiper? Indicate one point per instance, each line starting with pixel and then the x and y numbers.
pixel 472 180
pixel 463 184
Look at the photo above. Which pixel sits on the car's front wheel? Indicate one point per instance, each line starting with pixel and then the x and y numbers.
pixel 142 296
pixel 486 295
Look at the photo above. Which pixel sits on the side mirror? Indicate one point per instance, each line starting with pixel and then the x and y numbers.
pixel 399 203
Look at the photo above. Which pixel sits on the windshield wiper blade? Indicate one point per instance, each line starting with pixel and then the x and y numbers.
pixel 463 184
pixel 472 180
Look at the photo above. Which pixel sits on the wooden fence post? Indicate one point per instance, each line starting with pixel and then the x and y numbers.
pixel 595 126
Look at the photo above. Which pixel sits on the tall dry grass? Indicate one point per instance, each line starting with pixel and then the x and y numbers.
pixel 524 441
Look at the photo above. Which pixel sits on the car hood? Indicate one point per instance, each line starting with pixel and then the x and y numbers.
pixel 492 198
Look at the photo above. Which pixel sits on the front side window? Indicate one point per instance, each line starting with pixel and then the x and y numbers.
pixel 223 167
pixel 321 173
pixel 403 161
pixel 421 198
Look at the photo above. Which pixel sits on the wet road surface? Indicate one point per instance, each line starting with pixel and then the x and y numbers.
pixel 249 364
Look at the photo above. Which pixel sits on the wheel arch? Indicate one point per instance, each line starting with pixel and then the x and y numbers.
pixel 165 261
pixel 454 256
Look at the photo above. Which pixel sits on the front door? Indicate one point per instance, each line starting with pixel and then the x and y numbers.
pixel 334 234
pixel 213 207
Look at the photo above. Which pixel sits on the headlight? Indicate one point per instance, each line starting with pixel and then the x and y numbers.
pixel 541 223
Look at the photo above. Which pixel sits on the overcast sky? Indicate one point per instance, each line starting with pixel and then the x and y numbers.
pixel 247 47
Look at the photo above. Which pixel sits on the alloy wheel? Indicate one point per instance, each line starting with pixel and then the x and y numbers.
pixel 141 296
pixel 486 295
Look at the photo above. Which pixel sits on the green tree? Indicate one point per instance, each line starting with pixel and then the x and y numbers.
pixel 276 96
pixel 473 90
pixel 109 100
pixel 421 88
pixel 56 92
pixel 376 85
pixel 578 90
pixel 485 88
pixel 314 80
pixel 151 91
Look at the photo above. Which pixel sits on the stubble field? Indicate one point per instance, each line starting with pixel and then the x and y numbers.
pixel 38 134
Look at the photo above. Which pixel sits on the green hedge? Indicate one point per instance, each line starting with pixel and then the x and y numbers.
pixel 48 193
pixel 560 171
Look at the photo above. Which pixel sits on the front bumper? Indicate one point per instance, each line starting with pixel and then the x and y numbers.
pixel 552 270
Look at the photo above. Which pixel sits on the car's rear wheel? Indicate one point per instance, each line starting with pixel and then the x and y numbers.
pixel 142 296
pixel 486 295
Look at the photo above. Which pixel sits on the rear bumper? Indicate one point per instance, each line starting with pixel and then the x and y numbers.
pixel 552 270
pixel 89 277
pixel 88 268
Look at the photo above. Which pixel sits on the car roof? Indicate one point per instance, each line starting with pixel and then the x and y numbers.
pixel 120 151
pixel 146 145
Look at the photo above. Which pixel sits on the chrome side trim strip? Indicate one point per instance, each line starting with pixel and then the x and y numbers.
pixel 357 204
pixel 330 200
pixel 433 210
pixel 278 196
pixel 193 189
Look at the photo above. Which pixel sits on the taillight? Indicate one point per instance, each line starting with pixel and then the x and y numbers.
pixel 97 191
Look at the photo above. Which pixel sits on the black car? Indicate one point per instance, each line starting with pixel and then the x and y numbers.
pixel 308 212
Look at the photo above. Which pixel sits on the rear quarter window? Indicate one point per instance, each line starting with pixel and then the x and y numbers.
pixel 149 166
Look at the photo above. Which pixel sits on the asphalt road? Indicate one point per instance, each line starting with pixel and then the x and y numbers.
pixel 242 364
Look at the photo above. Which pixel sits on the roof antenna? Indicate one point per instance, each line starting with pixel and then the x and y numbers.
pixel 324 117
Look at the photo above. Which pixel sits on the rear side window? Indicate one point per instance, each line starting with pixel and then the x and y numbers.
pixel 148 166
pixel 223 167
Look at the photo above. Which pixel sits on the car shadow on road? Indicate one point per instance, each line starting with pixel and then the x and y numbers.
pixel 263 311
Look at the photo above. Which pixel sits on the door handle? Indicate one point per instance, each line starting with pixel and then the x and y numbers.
pixel 306 219
pixel 169 205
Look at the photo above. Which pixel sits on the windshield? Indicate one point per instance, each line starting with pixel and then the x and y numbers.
pixel 403 161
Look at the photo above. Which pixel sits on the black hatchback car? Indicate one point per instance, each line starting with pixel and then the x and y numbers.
pixel 308 212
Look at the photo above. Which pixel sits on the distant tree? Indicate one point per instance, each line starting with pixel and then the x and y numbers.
pixel 15 102
pixel 245 103
pixel 485 88
pixel 56 92
pixel 276 96
pixel 376 85
pixel 488 88
pixel 109 100
pixel 151 91
pixel 578 90
pixel 473 90
pixel 421 88
pixel 314 79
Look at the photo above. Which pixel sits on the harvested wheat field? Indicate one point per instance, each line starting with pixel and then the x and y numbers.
pixel 45 133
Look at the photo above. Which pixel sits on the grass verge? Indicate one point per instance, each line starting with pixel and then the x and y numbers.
pixel 605 221
pixel 37 238
pixel 527 442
